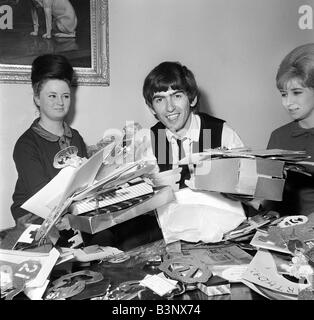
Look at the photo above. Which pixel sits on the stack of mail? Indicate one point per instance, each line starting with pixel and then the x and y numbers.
pixel 104 180
pixel 252 174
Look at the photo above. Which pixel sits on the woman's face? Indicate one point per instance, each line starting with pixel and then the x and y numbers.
pixel 54 100
pixel 298 100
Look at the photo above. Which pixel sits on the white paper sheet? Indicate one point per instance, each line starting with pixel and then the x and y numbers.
pixel 46 198
pixel 36 293
pixel 199 216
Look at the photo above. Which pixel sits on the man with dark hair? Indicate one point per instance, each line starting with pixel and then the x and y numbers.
pixel 171 92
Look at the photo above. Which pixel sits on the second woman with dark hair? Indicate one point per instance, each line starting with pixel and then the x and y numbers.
pixel 35 150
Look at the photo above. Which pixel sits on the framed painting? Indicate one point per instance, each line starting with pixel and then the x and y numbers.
pixel 79 31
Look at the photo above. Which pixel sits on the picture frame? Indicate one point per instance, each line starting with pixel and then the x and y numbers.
pixel 88 51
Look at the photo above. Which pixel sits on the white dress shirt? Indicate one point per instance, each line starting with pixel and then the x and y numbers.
pixel 229 139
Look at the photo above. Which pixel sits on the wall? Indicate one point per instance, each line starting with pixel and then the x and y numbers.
pixel 233 46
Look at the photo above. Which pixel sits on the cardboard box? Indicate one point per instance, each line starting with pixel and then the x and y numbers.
pixel 93 223
pixel 256 177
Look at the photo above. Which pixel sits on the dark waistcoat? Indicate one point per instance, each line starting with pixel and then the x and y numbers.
pixel 207 139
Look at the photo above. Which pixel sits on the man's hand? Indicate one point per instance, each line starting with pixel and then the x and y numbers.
pixel 167 178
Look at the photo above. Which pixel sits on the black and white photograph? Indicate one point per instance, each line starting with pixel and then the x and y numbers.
pixel 157 154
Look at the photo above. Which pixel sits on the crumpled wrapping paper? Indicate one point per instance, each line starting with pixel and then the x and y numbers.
pixel 199 216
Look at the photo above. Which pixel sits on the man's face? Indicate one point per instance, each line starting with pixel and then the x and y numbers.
pixel 173 109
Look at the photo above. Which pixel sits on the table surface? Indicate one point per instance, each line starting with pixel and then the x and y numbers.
pixel 134 269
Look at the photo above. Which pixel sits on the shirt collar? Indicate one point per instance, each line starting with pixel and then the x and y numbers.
pixel 299 131
pixel 64 140
pixel 192 133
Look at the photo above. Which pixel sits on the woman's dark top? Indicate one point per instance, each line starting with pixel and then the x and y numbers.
pixel 33 155
pixel 298 195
